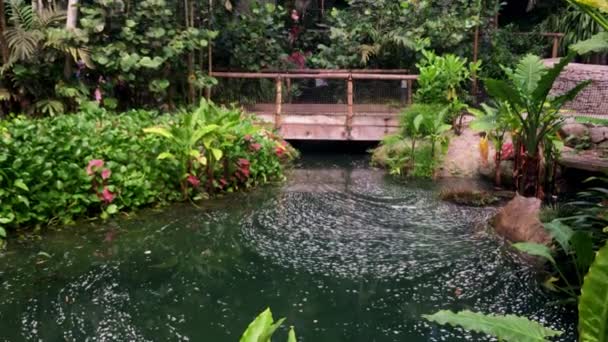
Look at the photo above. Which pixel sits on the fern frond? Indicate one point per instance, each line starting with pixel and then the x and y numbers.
pixel 21 15
pixel 23 44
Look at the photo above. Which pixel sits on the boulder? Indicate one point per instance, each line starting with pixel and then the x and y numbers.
pixel 598 134
pixel 518 221
pixel 506 172
pixel 573 133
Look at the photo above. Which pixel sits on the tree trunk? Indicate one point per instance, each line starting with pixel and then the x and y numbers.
pixel 497 173
pixel 3 44
pixel 530 171
pixel 70 25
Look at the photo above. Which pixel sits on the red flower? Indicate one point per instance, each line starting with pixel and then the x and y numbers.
pixel 223 182
pixel 93 166
pixel 298 59
pixel 280 151
pixel 255 147
pixel 507 152
pixel 106 195
pixel 105 174
pixel 195 182
pixel 247 137
pixel 243 162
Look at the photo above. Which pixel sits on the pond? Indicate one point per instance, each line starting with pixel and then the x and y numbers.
pixel 344 252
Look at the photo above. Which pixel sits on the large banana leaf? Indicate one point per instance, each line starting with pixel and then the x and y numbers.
pixel 535 249
pixel 545 84
pixel 528 73
pixel 593 303
pixel 505 328
pixel 263 327
pixel 597 43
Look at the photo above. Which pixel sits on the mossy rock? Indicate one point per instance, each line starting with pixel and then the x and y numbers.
pixel 472 198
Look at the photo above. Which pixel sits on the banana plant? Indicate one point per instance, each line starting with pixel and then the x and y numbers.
pixel 527 91
pixel 496 120
pixel 191 144
pixel 263 327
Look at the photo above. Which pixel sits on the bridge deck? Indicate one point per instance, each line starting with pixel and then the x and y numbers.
pixel 370 122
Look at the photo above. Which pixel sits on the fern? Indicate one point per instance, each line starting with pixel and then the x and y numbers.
pixel 593 303
pixel 507 328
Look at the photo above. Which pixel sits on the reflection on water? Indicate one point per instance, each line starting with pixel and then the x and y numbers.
pixel 345 253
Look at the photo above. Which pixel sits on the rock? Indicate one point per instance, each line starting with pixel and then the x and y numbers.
pixel 573 133
pixel 603 145
pixel 506 172
pixel 519 221
pixel 598 134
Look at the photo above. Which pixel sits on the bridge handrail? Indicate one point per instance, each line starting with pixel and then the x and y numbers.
pixel 326 75
pixel 348 76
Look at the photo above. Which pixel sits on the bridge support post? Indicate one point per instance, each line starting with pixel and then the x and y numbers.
pixel 410 92
pixel 349 102
pixel 278 102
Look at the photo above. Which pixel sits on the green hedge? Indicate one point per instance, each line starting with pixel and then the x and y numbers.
pixel 43 165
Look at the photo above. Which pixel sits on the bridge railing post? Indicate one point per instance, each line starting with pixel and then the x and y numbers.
pixel 410 92
pixel 349 104
pixel 278 102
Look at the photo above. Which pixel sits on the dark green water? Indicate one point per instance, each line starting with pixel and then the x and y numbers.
pixel 342 251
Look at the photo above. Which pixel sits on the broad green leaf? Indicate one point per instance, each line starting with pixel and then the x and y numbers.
pixel 159 131
pixel 195 154
pixel 535 249
pixel 593 302
pixel 7 219
pixel 44 254
pixel 2 233
pixel 112 209
pixel 217 153
pixel 528 73
pixel 417 121
pixel 597 43
pixel 292 335
pixel 561 232
pixel 503 91
pixel 269 331
pixel 505 328
pixel 149 63
pixel 21 185
pixel 166 155
pixel 582 244
pixel 257 327
pixel 545 84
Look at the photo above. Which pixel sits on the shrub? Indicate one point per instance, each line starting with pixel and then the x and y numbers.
pixel 54 170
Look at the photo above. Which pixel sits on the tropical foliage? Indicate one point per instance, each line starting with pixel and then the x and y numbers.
pixel 592 310
pixel 263 327
pixel 96 162
pixel 527 93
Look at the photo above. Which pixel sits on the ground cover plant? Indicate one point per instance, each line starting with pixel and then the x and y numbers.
pixel 96 162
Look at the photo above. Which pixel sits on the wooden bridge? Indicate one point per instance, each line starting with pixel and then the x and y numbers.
pixel 347 118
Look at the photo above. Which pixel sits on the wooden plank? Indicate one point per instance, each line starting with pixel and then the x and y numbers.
pixel 313 132
pixel 371 133
pixel 582 163
pixel 375 120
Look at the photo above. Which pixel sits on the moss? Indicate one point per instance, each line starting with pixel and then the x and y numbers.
pixel 473 198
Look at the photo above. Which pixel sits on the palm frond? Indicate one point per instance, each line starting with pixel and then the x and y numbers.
pixel 48 17
pixel 22 43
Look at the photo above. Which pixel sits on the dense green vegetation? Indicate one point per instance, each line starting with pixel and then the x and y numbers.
pixel 98 162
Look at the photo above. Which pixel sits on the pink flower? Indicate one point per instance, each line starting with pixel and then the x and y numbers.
pixel 247 137
pixel 295 16
pixel 255 147
pixel 98 96
pixel 93 166
pixel 280 151
pixel 243 162
pixel 106 195
pixel 507 152
pixel 105 174
pixel 195 182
